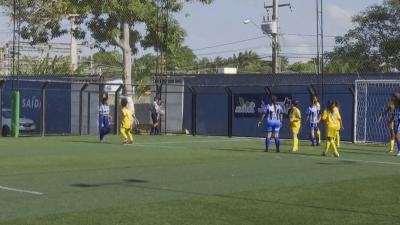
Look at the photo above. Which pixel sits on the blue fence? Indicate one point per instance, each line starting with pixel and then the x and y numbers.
pixel 212 110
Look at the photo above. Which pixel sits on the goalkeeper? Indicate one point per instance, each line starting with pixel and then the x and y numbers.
pixel 389 110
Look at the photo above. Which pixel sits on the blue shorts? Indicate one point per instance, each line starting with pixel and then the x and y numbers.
pixel 397 128
pixel 272 126
pixel 314 127
pixel 104 122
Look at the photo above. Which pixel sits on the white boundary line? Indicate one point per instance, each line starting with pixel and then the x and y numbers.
pixel 20 190
pixel 350 160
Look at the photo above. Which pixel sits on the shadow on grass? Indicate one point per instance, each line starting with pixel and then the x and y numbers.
pixel 88 142
pixel 123 182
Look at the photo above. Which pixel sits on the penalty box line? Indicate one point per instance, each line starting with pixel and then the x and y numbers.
pixel 20 190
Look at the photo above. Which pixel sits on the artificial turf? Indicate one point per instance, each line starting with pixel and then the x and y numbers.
pixel 193 180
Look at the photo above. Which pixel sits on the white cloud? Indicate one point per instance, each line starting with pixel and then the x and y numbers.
pixel 340 16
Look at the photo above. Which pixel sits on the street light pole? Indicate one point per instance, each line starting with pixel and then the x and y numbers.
pixel 275 38
pixel 74 43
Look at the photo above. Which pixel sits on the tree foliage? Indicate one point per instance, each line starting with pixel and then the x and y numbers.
pixel 373 45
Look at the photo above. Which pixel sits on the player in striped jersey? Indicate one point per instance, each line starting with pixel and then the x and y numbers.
pixel 272 118
pixel 313 118
pixel 104 119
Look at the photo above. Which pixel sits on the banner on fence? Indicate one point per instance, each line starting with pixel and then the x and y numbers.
pixel 252 105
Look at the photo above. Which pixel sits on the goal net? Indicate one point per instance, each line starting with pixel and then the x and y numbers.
pixel 372 97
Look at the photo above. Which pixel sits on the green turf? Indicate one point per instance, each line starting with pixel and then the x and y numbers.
pixel 194 180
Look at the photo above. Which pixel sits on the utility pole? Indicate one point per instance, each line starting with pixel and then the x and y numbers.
pixel 273 29
pixel 74 43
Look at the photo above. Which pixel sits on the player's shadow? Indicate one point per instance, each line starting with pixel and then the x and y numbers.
pixel 257 150
pixel 88 142
pixel 123 182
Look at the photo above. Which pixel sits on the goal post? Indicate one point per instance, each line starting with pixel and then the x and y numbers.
pixel 371 99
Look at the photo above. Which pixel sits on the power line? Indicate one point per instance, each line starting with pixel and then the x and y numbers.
pixel 229 43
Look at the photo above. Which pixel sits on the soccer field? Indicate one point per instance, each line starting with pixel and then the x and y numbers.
pixel 193 180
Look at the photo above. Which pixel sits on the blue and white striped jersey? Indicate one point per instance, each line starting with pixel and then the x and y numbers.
pixel 313 113
pixel 273 112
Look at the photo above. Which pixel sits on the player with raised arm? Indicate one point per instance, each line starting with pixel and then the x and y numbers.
pixel 295 124
pixel 313 118
pixel 272 117
pixel 104 119
pixel 332 120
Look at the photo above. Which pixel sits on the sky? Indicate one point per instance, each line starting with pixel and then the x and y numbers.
pixel 222 23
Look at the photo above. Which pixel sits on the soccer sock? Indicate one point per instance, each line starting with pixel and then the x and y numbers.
pixel 130 136
pixel 337 139
pixel 312 139
pixel 327 146
pixel 277 143
pixel 267 142
pixel 335 151
pixel 392 145
pixel 295 144
pixel 398 144
pixel 101 134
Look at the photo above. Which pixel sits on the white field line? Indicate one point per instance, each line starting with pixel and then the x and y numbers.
pixel 20 190
pixel 349 160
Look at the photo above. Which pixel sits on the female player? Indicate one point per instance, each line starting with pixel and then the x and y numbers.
pixel 295 124
pixel 126 122
pixel 104 119
pixel 395 119
pixel 313 118
pixel 389 110
pixel 331 118
pixel 272 117
pixel 336 108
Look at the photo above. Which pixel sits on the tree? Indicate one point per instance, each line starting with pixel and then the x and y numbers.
pixel 110 23
pixel 373 45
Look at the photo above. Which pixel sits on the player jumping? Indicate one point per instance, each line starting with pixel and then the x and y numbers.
pixel 295 124
pixel 313 118
pixel 272 117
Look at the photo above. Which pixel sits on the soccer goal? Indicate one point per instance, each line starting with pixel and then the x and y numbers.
pixel 372 97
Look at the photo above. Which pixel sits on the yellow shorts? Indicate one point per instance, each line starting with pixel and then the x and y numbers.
pixel 295 129
pixel 331 132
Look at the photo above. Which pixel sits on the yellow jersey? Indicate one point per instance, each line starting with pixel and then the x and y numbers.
pixel 295 117
pixel 332 119
pixel 127 118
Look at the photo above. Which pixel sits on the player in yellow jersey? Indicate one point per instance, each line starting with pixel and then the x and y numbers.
pixel 336 109
pixel 389 110
pixel 295 124
pixel 332 120
pixel 127 118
